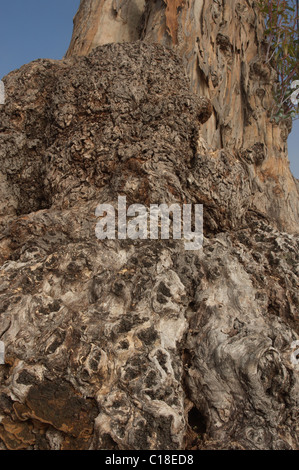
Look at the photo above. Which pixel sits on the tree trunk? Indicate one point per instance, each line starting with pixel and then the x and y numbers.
pixel 142 343
pixel 222 47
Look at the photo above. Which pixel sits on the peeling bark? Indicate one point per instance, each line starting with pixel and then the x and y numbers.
pixel 222 47
pixel 140 344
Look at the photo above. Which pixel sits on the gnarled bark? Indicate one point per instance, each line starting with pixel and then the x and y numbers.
pixel 140 344
pixel 222 47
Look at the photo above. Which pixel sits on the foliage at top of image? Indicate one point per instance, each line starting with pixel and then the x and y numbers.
pixel 282 35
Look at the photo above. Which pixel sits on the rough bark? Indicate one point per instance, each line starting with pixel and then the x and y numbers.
pixel 138 344
pixel 222 47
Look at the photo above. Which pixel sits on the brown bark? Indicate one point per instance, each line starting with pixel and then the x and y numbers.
pixel 141 344
pixel 222 47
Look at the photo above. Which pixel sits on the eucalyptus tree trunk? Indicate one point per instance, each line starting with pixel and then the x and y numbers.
pixel 133 344
pixel 222 46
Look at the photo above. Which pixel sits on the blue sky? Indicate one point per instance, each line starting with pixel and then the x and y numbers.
pixel 34 29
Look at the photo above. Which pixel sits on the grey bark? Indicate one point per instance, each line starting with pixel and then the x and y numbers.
pixel 138 344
